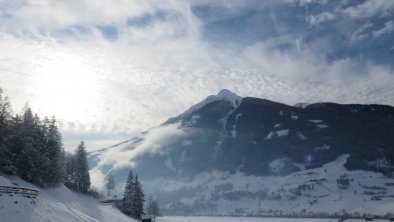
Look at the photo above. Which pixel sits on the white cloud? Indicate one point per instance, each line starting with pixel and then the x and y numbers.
pixel 46 15
pixel 135 86
pixel 388 27
pixel 319 18
pixel 154 141
pixel 370 8
pixel 308 2
pixel 361 33
pixel 121 157
pixel 154 72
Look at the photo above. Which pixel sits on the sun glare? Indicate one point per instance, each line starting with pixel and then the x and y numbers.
pixel 66 86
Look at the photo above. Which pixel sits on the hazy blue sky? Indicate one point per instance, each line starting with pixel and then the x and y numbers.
pixel 110 69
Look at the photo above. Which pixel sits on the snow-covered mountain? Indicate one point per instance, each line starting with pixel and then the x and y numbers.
pixel 194 161
pixel 56 204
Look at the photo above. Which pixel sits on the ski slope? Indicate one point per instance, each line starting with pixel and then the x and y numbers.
pixel 55 204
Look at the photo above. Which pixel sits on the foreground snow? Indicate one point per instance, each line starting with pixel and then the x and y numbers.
pixel 248 219
pixel 57 204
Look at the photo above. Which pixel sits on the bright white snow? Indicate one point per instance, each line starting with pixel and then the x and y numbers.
pixel 55 204
pixel 247 219
pixel 324 147
pixel 234 131
pixel 321 126
pixel 301 136
pixel 283 132
pixel 277 165
pixel 315 120
pixel 278 133
pixel 222 95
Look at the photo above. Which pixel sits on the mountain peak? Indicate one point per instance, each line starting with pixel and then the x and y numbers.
pixel 230 96
pixel 302 105
pixel 225 92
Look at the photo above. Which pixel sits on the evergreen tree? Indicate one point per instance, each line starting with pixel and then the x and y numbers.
pixel 54 153
pixel 14 145
pixel 137 206
pixel 133 197
pixel 110 184
pixel 29 147
pixel 70 171
pixel 28 156
pixel 128 194
pixel 82 178
pixel 40 161
pixel 6 152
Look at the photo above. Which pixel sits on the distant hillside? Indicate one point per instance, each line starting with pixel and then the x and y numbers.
pixel 254 137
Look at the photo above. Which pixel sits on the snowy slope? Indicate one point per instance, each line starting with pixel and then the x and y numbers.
pixel 302 193
pixel 248 219
pixel 56 204
pixel 224 94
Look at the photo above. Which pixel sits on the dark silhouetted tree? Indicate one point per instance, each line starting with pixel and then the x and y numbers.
pixel 27 160
pixel 7 156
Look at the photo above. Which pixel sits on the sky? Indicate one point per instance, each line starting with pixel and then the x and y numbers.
pixel 111 69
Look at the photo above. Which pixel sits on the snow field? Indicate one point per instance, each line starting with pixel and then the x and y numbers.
pixel 54 204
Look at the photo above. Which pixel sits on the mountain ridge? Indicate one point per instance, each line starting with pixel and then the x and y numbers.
pixel 257 138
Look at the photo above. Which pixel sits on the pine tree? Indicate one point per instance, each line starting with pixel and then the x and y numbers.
pixel 133 197
pixel 137 206
pixel 15 143
pixel 128 194
pixel 70 171
pixel 82 178
pixel 29 147
pixel 110 184
pixel 41 161
pixel 6 152
pixel 28 156
pixel 54 153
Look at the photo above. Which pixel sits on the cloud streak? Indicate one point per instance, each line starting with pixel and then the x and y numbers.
pixel 122 156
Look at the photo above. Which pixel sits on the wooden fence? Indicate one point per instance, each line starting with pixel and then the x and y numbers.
pixel 25 192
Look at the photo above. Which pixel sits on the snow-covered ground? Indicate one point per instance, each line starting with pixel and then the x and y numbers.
pixel 56 204
pixel 304 193
pixel 249 219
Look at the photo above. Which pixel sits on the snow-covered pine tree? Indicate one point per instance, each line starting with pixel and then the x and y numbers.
pixel 70 171
pixel 138 199
pixel 55 154
pixel 15 143
pixel 30 147
pixel 82 178
pixel 128 194
pixel 6 132
pixel 41 162
pixel 28 156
